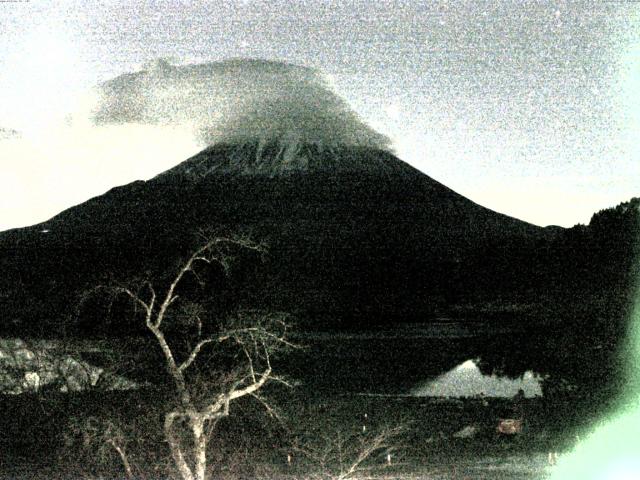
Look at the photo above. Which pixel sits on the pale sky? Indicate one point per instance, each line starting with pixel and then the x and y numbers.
pixel 529 108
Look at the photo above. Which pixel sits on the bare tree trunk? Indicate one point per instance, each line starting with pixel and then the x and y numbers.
pixel 176 450
pixel 200 446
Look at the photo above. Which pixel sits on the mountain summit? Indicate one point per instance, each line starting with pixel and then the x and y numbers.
pixel 285 157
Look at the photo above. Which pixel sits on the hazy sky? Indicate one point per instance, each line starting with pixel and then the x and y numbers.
pixel 529 108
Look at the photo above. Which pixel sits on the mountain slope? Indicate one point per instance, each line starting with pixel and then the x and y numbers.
pixel 356 236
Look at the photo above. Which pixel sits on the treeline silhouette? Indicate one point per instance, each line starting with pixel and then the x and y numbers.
pixel 582 284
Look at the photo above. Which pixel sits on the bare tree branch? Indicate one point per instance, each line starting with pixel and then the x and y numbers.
pixel 269 408
pixel 194 353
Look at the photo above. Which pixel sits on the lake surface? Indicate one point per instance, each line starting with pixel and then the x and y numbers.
pixel 391 361
pixel 402 360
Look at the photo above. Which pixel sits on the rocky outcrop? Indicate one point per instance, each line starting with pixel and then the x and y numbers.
pixel 46 365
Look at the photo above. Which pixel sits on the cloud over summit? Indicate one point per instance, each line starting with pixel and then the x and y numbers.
pixel 236 100
pixel 140 124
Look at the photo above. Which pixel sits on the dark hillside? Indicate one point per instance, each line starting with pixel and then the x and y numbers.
pixel 357 237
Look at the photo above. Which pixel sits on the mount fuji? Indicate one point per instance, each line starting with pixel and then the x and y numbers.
pixel 356 236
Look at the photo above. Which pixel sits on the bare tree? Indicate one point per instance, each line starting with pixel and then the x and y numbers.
pixel 341 456
pixel 255 336
pixel 102 437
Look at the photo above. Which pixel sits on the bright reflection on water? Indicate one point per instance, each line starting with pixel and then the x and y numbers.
pixel 466 380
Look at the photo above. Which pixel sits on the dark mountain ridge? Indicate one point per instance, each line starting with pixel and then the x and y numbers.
pixel 356 236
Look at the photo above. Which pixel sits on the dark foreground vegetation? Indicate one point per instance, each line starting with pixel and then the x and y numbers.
pixel 91 435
